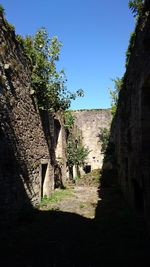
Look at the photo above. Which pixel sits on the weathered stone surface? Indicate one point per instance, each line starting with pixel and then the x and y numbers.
pixel 60 149
pixel 89 122
pixel 24 136
pixel 131 126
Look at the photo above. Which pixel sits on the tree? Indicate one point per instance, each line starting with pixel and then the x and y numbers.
pixel 76 155
pixel 48 83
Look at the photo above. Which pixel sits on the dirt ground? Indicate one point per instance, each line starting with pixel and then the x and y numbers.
pixel 89 228
pixel 83 201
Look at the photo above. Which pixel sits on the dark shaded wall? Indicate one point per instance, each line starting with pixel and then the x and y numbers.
pixel 131 125
pixel 24 142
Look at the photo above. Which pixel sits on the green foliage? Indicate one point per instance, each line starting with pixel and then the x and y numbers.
pixel 10 26
pixel 69 120
pixel 6 23
pixel 20 39
pixel 136 7
pixel 114 94
pixel 76 152
pixel 104 139
pixel 2 10
pixel 48 83
pixel 107 145
pixel 130 47
pixel 7 26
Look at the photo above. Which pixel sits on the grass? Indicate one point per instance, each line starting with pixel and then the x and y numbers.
pixel 57 195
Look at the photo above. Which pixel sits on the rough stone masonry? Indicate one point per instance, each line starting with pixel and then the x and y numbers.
pixel 131 125
pixel 26 171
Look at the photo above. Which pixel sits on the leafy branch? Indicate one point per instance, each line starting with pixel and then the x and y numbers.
pixel 48 83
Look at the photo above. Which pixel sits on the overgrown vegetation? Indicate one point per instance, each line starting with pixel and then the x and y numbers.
pixel 115 94
pixel 7 25
pixel 69 120
pixel 90 179
pixel 20 39
pixel 48 83
pixel 130 47
pixel 2 10
pixel 107 146
pixel 136 7
pixel 104 139
pixel 76 153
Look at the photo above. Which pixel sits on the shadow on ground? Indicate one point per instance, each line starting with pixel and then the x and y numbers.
pixel 53 239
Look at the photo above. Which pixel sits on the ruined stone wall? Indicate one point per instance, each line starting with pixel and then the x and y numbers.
pixel 26 171
pixel 60 149
pixel 131 126
pixel 89 123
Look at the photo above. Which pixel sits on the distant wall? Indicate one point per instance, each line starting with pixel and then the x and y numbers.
pixel 89 122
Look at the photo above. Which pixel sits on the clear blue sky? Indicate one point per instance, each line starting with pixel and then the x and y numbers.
pixel 94 34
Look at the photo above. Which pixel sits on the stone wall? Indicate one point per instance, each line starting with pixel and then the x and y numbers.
pixel 26 171
pixel 60 150
pixel 89 123
pixel 131 126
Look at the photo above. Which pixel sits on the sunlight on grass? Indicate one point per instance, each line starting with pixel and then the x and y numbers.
pixel 57 195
